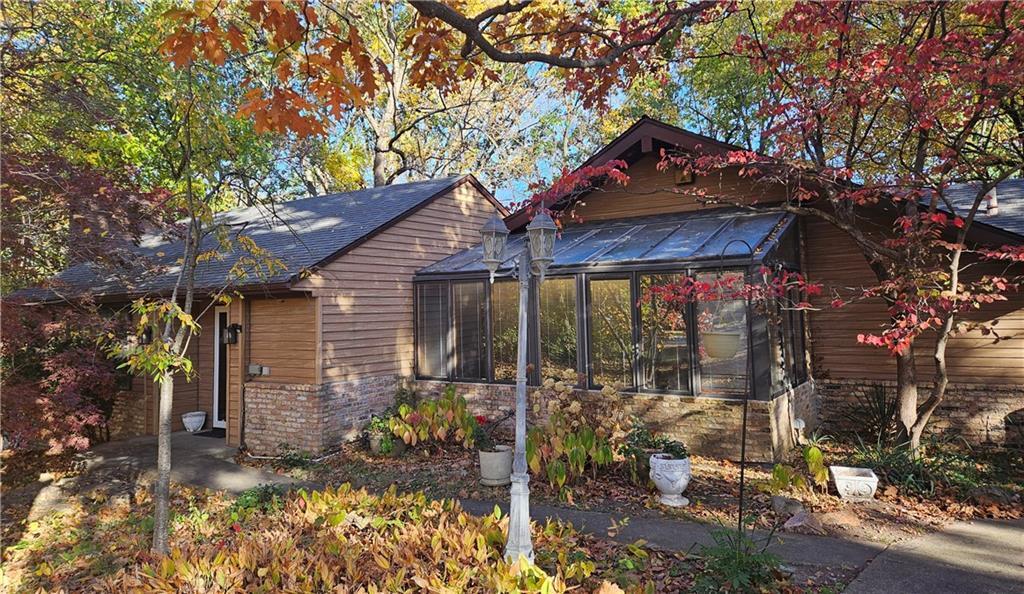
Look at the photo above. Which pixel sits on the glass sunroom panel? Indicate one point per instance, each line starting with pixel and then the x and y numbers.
pixel 665 354
pixel 504 329
pixel 432 329
pixel 470 324
pixel 558 339
pixel 722 340
pixel 611 332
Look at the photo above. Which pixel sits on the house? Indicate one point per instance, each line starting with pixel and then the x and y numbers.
pixel 590 316
pixel 386 286
pixel 316 346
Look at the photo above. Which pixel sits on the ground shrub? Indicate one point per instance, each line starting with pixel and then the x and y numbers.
pixel 435 421
pixel 941 464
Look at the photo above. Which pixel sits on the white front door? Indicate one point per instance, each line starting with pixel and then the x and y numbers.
pixel 220 368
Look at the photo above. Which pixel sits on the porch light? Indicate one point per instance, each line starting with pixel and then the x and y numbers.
pixel 494 235
pixel 542 242
pixel 230 335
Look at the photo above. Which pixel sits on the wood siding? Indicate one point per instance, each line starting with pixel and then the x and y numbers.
pixel 237 361
pixel 282 336
pixel 366 295
pixel 189 395
pixel 834 260
pixel 650 192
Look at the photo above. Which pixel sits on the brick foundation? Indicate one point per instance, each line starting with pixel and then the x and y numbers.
pixel 975 412
pixel 128 418
pixel 708 426
pixel 312 418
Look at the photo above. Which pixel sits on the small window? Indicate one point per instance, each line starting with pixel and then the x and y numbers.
pixel 722 341
pixel 504 329
pixel 558 340
pixel 611 332
pixel 432 329
pixel 665 355
pixel 470 318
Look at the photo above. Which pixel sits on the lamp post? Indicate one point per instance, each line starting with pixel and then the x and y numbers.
pixel 536 255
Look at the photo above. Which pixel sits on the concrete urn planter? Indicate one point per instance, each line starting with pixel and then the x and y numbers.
pixel 193 421
pixel 721 345
pixel 496 466
pixel 854 484
pixel 671 477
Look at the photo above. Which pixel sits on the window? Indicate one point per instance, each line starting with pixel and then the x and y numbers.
pixel 722 341
pixel 665 346
pixel 432 329
pixel 611 332
pixel 558 340
pixel 470 320
pixel 504 329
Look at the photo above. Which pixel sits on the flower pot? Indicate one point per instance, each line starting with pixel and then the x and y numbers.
pixel 496 466
pixel 720 345
pixel 671 477
pixel 194 421
pixel 854 484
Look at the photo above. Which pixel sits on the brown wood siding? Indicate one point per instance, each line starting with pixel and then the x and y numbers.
pixel 236 369
pixel 191 394
pixel 834 260
pixel 650 192
pixel 282 336
pixel 366 294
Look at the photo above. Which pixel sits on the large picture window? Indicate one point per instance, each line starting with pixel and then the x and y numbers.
pixel 504 329
pixel 470 323
pixel 611 332
pixel 722 340
pixel 558 339
pixel 665 346
pixel 432 329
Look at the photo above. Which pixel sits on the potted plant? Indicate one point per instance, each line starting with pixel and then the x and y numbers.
pixel 495 459
pixel 381 439
pixel 194 420
pixel 671 471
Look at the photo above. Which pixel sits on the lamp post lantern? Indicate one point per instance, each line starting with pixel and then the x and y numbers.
pixel 535 256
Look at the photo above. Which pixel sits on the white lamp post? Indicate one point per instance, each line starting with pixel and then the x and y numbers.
pixel 536 255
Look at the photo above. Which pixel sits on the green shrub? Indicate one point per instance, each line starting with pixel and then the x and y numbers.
pixel 940 464
pixel 435 421
pixel 637 446
pixel 262 498
pixel 736 563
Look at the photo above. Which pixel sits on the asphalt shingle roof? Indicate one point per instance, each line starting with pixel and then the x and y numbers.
pixel 1009 195
pixel 301 234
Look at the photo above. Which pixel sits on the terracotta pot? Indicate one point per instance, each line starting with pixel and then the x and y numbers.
pixel 671 477
pixel 720 345
pixel 194 421
pixel 496 466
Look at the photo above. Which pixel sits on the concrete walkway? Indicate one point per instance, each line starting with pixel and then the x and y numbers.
pixel 804 553
pixel 980 557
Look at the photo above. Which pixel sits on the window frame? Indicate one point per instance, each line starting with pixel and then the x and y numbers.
pixel 693 375
pixel 446 330
pixel 455 362
pixel 588 308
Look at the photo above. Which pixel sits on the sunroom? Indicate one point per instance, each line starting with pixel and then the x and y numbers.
pixel 594 314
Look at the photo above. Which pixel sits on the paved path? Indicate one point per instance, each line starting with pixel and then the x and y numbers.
pixel 980 557
pixel 803 553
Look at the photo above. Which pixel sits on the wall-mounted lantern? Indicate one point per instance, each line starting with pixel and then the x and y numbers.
pixel 230 334
pixel 147 336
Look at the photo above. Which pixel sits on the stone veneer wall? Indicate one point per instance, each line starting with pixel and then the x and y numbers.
pixel 312 418
pixel 975 412
pixel 128 418
pixel 282 413
pixel 708 426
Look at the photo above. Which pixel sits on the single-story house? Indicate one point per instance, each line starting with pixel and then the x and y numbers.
pixel 386 286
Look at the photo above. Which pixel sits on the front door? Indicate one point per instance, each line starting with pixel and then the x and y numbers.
pixel 220 369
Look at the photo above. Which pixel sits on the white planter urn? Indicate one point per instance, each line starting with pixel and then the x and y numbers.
pixel 496 466
pixel 194 421
pixel 854 484
pixel 671 477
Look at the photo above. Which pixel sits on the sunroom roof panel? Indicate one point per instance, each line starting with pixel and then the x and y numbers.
pixel 678 237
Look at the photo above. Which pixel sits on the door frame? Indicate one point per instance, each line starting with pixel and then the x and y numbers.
pixel 217 363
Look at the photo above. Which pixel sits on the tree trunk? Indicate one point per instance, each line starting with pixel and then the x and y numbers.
pixel 906 391
pixel 162 489
pixel 380 167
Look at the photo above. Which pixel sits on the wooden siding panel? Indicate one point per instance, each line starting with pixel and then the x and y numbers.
pixel 366 295
pixel 652 192
pixel 282 336
pixel 834 260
